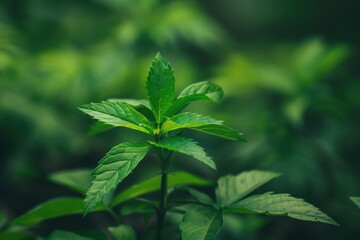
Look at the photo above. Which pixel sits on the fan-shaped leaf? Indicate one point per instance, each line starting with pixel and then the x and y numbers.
pixel 198 91
pixel 282 204
pixel 153 184
pixel 112 169
pixel 186 146
pixel 232 188
pixel 118 114
pixel 160 86
pixel 201 223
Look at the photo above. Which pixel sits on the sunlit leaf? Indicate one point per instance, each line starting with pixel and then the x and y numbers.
pixel 160 86
pixel 153 184
pixel 232 188
pixel 198 91
pixel 122 232
pixel 112 169
pixel 118 114
pixel 185 146
pixel 201 223
pixel 281 205
pixel 54 208
pixel 76 179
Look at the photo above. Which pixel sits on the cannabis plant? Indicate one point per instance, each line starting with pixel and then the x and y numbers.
pixel 162 121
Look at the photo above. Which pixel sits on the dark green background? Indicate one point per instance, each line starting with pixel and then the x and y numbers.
pixel 290 71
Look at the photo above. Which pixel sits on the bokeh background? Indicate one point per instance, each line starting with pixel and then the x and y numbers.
pixel 289 69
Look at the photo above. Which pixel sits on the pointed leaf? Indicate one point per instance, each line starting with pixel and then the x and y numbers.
pixel 232 188
pixel 136 103
pixel 200 197
pixel 112 169
pixel 201 223
pixel 54 208
pixel 119 115
pixel 282 205
pixel 187 120
pixel 222 131
pixel 122 232
pixel 186 146
pixel 198 91
pixel 160 86
pixel 153 184
pixel 200 123
pixel 356 200
pixel 76 179
pixel 61 235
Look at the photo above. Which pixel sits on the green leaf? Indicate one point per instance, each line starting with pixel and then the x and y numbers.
pixel 153 184
pixel 198 91
pixel 201 223
pixel 187 120
pixel 17 235
pixel 356 200
pixel 77 179
pixel 201 123
pixel 136 103
pixel 54 208
pixel 160 86
pixel 232 188
pixel 122 232
pixel 138 206
pixel 119 115
pixel 61 235
pixel 112 169
pixel 200 197
pixel 185 146
pixel 281 205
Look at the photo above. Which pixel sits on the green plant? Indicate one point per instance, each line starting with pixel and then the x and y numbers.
pixel 160 119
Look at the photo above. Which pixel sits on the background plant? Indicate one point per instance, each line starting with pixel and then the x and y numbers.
pixel 53 59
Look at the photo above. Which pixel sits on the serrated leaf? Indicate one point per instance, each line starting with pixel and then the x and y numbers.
pixel 160 86
pixel 282 205
pixel 118 114
pixel 185 146
pixel 153 184
pixel 222 131
pixel 122 232
pixel 112 169
pixel 76 179
pixel 198 91
pixel 200 123
pixel 232 188
pixel 356 200
pixel 201 223
pixel 187 120
pixel 61 235
pixel 54 208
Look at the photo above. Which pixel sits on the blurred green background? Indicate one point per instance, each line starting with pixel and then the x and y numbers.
pixel 289 69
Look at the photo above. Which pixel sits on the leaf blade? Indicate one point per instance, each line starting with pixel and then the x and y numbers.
pixel 201 223
pixel 75 179
pixel 204 90
pixel 160 86
pixel 118 114
pixel 232 188
pixel 185 146
pixel 283 204
pixel 356 200
pixel 117 164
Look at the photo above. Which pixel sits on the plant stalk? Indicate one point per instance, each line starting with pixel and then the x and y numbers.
pixel 161 212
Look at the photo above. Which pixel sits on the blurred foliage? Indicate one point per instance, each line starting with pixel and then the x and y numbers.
pixel 289 70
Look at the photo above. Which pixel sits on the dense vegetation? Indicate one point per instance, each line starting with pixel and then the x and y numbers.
pixel 289 73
